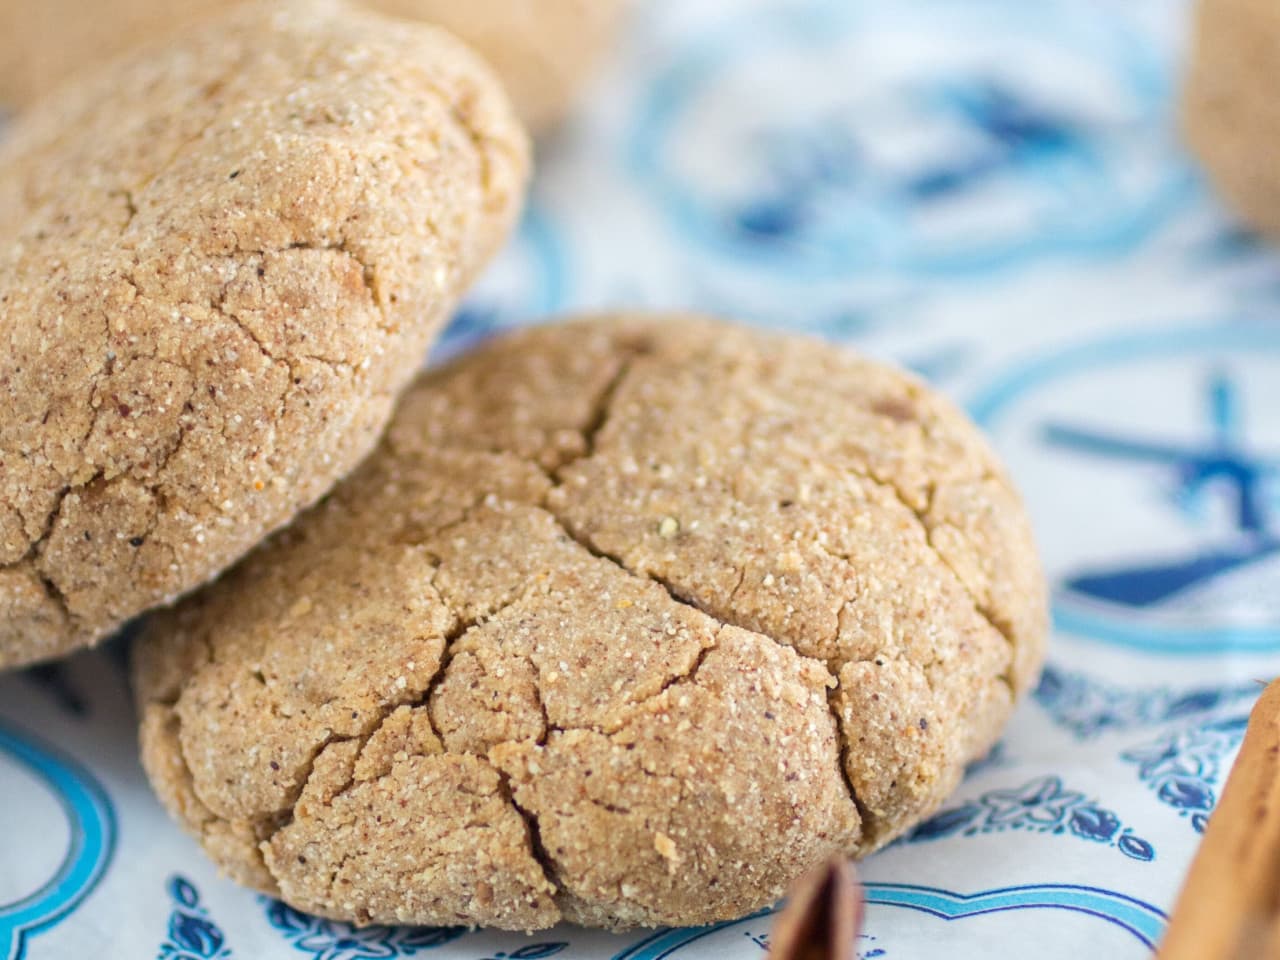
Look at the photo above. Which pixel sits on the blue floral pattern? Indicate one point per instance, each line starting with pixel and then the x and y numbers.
pixel 1042 805
pixel 332 940
pixel 192 935
pixel 1183 768
pixel 1088 707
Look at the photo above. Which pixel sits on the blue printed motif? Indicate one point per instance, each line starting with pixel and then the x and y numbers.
pixel 1089 707
pixel 1042 805
pixel 334 940
pixel 192 935
pixel 92 842
pixel 1222 489
pixel 1221 459
pixel 863 951
pixel 1183 768
pixel 1141 920
pixel 946 161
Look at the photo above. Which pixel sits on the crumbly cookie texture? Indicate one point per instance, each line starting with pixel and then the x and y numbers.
pixel 1230 113
pixel 544 50
pixel 222 263
pixel 626 622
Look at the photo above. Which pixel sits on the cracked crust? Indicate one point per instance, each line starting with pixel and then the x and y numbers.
pixel 627 622
pixel 1229 110
pixel 212 299
pixel 544 50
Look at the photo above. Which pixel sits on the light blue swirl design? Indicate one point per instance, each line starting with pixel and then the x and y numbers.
pixel 1145 922
pixel 1089 707
pixel 1109 622
pixel 825 202
pixel 93 834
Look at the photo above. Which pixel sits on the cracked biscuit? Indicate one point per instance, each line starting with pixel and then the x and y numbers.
pixel 544 50
pixel 1230 113
pixel 626 622
pixel 221 264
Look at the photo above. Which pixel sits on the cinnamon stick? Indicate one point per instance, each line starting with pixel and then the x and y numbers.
pixel 822 917
pixel 1229 907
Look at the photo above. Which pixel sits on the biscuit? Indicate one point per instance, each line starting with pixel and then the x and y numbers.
pixel 1230 115
pixel 625 622
pixel 544 50
pixel 221 264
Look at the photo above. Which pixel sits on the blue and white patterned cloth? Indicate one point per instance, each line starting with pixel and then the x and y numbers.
pixel 991 192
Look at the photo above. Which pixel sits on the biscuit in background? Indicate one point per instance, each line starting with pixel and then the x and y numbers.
pixel 1231 113
pixel 544 50
pixel 626 622
pixel 221 262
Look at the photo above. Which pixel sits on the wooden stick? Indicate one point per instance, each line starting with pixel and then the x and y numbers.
pixel 822 918
pixel 1229 907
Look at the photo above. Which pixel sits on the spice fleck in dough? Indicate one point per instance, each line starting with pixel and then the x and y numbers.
pixel 626 622
pixel 222 264
pixel 544 50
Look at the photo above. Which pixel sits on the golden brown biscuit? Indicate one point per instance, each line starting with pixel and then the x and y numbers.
pixel 1230 112
pixel 221 263
pixel 544 50
pixel 626 622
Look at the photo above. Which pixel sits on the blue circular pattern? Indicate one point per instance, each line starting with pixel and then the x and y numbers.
pixel 809 194
pixel 1104 624
pixel 93 834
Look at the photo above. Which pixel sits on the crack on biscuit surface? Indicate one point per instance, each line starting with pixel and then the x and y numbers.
pixel 869 820
pixel 602 410
pixel 533 830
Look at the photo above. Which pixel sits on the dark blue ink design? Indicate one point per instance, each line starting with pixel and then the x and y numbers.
pixel 1184 767
pixel 1089 707
pixel 1197 472
pixel 1042 805
pixel 847 186
pixel 805 167
pixel 1008 136
pixel 534 951
pixel 1014 135
pixel 192 935
pixel 1222 459
pixel 92 829
pixel 333 940
pixel 761 940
